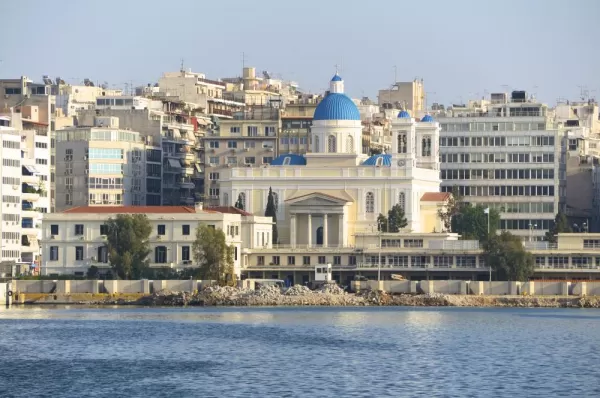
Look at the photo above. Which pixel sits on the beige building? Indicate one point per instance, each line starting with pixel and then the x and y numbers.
pixel 296 120
pixel 106 166
pixel 409 96
pixel 75 239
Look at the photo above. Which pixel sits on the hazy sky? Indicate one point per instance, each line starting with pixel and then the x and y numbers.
pixel 460 48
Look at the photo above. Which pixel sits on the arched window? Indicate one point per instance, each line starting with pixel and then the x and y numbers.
pixel 370 203
pixel 426 146
pixel 316 143
pixel 402 201
pixel 243 200
pixel 402 144
pixel 226 199
pixel 379 162
pixel 349 144
pixel 331 144
pixel 286 161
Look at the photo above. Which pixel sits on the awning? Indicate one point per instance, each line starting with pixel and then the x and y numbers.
pixel 202 122
pixel 31 169
pixel 174 163
pixel 198 169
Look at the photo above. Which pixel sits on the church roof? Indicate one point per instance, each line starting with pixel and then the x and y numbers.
pixel 404 115
pixel 294 160
pixel 336 106
pixel 336 78
pixel 386 160
pixel 435 196
pixel 427 118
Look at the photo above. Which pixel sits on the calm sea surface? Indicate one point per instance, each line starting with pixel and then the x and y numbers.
pixel 308 352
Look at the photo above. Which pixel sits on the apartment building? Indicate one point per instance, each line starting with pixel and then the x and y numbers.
pixel 409 96
pixel 73 98
pixel 75 239
pixel 254 90
pixel 505 154
pixel 250 140
pixel 25 173
pixel 296 121
pixel 106 166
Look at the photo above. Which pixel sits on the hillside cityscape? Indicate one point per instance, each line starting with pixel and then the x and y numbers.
pixel 372 186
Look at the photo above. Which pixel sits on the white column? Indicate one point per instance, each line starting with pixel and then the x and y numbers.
pixel 309 230
pixel 325 231
pixel 293 230
pixel 341 240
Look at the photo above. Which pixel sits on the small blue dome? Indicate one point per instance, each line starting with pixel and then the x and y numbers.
pixel 294 160
pixel 336 106
pixel 386 160
pixel 427 118
pixel 336 78
pixel 404 115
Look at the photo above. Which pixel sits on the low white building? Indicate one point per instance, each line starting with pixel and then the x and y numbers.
pixel 75 239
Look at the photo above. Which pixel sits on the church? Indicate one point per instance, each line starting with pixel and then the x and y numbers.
pixel 327 196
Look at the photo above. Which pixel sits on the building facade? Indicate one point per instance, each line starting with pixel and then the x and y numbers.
pixel 505 154
pixel 75 239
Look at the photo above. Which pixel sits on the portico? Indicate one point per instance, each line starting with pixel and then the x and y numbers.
pixel 318 219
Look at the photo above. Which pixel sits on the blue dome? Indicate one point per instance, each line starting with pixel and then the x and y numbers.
pixel 336 78
pixel 295 160
pixel 404 115
pixel 386 160
pixel 427 118
pixel 336 106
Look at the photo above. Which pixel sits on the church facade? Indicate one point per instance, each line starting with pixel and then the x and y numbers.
pixel 334 192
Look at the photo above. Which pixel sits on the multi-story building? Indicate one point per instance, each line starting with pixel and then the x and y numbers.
pixel 254 90
pixel 106 166
pixel 73 98
pixel 249 140
pixel 296 120
pixel 409 96
pixel 505 154
pixel 25 173
pixel 75 239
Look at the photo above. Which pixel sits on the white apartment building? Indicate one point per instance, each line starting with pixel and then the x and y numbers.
pixel 504 154
pixel 75 239
pixel 106 166
pixel 25 173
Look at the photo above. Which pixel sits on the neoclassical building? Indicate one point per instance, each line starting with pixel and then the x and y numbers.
pixel 334 192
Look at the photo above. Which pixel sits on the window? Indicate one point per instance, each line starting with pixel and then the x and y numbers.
pixel 250 160
pixel 351 260
pixel 185 229
pixel 337 260
pixel 267 159
pixel 103 229
pixel 234 129
pixel 213 160
pixel 213 144
pixel 53 253
pixel 426 146
pixel 275 260
pixel 413 242
pixel 305 260
pixel 291 260
pixel 231 144
pixel 370 203
pixel 317 143
pixel 10 91
pixel 213 176
pixel 321 260
pixel 252 131
pixel 78 253
pixel 242 198
pixel 185 253
pixel 249 144
pixel 287 160
pixel 160 254
pixel 349 144
pixel 161 229
pixel 402 143
pixel 269 131
pixel 231 160
pixel 78 229
pixel 260 260
pixel 402 201
pixel 54 229
pixel 331 144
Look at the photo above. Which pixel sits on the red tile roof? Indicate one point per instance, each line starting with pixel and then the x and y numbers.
pixel 435 196
pixel 132 209
pixel 228 210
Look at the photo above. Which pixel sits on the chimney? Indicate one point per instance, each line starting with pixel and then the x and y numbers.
pixel 199 207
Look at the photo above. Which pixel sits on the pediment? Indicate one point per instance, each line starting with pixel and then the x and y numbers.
pixel 317 200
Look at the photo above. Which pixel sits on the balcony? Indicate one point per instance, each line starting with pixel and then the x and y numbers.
pixel 30 179
pixel 30 193
pixel 28 224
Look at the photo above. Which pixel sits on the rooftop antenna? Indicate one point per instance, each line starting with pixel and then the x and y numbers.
pixel 243 60
pixel 181 69
pixel 395 74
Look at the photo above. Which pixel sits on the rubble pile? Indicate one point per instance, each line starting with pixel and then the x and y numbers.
pixel 298 290
pixel 331 288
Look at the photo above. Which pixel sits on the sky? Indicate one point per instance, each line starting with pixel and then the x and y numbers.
pixel 462 49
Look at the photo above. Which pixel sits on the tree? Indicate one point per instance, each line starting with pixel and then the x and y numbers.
pixel 561 224
pixel 471 222
pixel 446 215
pixel 128 247
pixel 396 219
pixel 271 211
pixel 382 223
pixel 508 258
pixel 213 257
pixel 239 204
pixel 92 272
